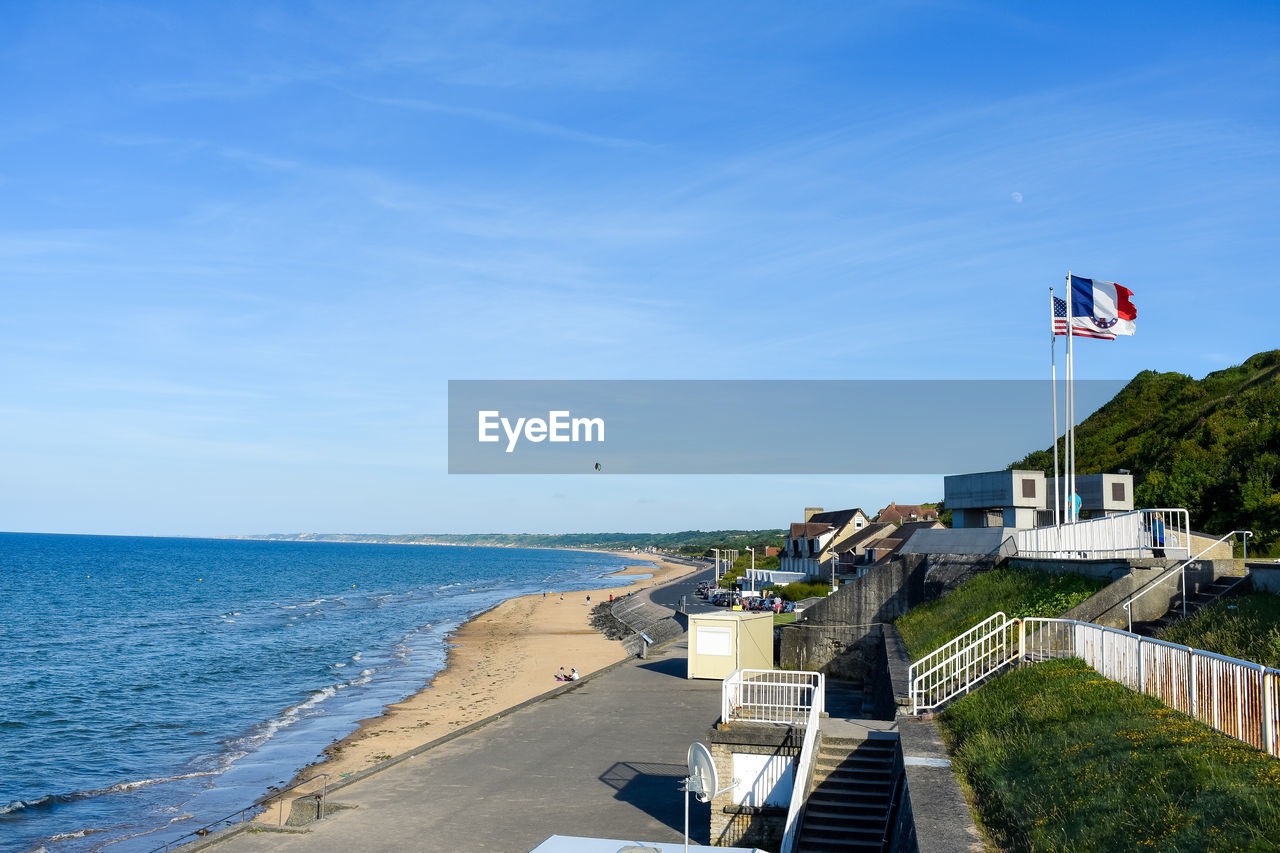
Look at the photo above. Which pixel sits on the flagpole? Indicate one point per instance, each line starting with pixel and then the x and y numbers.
pixel 1053 371
pixel 1070 478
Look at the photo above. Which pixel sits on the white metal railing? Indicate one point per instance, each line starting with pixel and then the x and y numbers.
pixel 771 696
pixel 1180 572
pixel 945 651
pixel 1237 697
pixel 963 663
pixel 800 778
pixel 1138 533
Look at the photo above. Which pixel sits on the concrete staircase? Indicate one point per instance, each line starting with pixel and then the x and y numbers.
pixel 1196 600
pixel 846 699
pixel 851 798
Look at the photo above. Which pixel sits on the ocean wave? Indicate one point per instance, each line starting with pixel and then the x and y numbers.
pixel 79 833
pixel 49 801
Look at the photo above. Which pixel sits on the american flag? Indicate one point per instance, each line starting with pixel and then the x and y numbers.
pixel 1078 329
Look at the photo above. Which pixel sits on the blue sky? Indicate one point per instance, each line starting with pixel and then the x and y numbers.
pixel 244 246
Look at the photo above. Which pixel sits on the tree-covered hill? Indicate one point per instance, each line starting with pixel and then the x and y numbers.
pixel 1210 445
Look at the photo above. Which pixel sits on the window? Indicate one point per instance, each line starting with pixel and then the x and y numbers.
pixel 1117 492
pixel 1028 488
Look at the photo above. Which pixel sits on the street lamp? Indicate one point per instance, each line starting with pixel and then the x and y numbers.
pixel 717 550
pixel 753 567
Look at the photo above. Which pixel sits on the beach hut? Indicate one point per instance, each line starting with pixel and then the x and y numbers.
pixel 722 643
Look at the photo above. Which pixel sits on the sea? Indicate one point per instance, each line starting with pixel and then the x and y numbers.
pixel 150 686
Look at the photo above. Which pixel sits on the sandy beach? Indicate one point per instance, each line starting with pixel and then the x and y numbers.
pixel 504 656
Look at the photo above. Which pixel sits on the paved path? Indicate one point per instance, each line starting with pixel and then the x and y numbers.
pixel 604 759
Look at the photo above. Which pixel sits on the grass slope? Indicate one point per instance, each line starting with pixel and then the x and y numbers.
pixel 1058 758
pixel 1019 593
pixel 1245 627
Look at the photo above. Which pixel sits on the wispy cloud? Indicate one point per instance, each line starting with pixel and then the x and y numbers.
pixel 511 122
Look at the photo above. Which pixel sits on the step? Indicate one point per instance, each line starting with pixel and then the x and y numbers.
pixel 817 831
pixel 862 823
pixel 871 772
pixel 841 796
pixel 848 766
pixel 856 760
pixel 860 790
pixel 840 807
pixel 837 847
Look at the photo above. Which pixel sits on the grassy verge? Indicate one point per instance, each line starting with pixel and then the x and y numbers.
pixel 1246 627
pixel 1019 593
pixel 783 618
pixel 1058 758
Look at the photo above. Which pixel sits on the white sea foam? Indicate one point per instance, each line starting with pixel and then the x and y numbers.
pixel 143 783
pixel 80 833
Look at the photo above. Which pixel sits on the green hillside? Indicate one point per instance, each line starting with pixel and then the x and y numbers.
pixel 1210 445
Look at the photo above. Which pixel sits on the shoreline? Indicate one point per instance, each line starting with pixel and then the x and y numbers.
pixel 498 659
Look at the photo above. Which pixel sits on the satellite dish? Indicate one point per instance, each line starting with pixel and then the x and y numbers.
pixel 703 780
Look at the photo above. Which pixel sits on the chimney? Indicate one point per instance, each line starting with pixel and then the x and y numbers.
pixel 810 512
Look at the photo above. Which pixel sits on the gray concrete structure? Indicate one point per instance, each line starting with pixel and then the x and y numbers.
pixel 995 498
pixel 942 822
pixel 1100 494
pixel 836 634
pixel 1265 577
pixel 975 541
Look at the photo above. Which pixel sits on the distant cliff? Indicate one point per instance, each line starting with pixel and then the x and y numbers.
pixel 1210 445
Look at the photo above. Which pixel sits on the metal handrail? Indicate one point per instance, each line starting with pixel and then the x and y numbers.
pixel 947 650
pixel 1102 536
pixel 771 695
pixel 1180 571
pixel 967 666
pixel 204 830
pixel 1237 697
pixel 800 780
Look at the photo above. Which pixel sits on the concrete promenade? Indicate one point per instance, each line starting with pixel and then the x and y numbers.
pixel 604 758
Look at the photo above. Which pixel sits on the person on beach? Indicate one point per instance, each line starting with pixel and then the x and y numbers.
pixel 560 676
pixel 573 676
pixel 588 601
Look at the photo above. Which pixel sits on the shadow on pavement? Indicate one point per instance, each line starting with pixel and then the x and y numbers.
pixel 655 789
pixel 677 667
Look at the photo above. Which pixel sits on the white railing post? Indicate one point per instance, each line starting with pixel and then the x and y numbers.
pixel 1269 712
pixel 1191 666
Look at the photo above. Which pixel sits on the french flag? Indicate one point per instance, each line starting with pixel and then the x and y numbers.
pixel 1103 305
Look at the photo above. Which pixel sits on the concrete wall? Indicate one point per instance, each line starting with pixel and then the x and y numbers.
pixel 1200 541
pixel 839 635
pixel 1101 569
pixel 748 826
pixel 1106 607
pixel 1265 578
